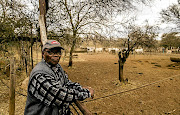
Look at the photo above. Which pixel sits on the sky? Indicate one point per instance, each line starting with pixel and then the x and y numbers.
pixel 152 12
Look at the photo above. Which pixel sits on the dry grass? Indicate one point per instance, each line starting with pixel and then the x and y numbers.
pixel 100 71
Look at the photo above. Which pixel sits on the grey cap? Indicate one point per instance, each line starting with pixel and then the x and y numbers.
pixel 52 44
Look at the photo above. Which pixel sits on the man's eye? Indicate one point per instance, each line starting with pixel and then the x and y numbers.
pixel 49 52
pixel 53 53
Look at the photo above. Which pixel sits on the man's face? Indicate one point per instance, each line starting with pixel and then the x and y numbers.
pixel 52 56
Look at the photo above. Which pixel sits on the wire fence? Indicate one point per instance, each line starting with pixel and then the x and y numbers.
pixel 146 85
pixel 103 97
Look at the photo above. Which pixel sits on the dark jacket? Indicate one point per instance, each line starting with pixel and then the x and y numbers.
pixel 50 92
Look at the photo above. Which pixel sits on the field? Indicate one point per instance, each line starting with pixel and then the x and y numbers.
pixel 152 88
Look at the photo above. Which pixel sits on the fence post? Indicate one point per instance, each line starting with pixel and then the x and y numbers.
pixel 12 87
pixel 82 108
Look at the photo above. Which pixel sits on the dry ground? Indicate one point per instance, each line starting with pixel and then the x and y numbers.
pixel 152 89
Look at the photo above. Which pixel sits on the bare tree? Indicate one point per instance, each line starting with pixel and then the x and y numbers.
pixel 12 19
pixel 172 14
pixel 170 40
pixel 137 36
pixel 16 26
pixel 84 16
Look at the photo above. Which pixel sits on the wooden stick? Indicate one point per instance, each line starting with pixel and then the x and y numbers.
pixel 42 20
pixel 12 87
pixel 42 29
pixel 82 108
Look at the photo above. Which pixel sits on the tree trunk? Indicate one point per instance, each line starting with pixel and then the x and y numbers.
pixel 42 29
pixel 71 53
pixel 26 64
pixel 121 78
pixel 122 59
pixel 70 59
pixel 36 50
pixel 42 21
pixel 32 42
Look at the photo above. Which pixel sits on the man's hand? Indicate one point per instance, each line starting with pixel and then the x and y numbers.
pixel 91 91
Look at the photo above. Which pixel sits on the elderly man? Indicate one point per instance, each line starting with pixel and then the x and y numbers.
pixel 49 90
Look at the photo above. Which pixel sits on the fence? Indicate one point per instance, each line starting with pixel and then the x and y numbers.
pixel 12 92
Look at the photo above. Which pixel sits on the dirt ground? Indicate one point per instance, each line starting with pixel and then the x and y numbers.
pixel 152 88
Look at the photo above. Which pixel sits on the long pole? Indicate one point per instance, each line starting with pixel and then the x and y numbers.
pixel 12 87
pixel 32 42
pixel 42 21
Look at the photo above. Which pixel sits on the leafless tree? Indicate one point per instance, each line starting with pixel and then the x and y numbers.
pixel 137 36
pixel 84 16
pixel 172 14
pixel 16 25
pixel 170 40
pixel 12 19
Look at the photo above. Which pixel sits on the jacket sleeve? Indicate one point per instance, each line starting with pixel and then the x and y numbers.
pixel 44 88
pixel 74 85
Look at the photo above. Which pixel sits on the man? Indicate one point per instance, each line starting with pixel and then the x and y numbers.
pixel 49 90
